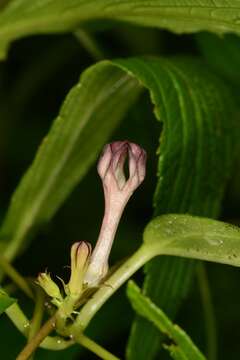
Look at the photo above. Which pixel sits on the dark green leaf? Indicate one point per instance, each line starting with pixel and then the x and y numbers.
pixel 196 158
pixel 22 17
pixel 184 348
pixel 222 53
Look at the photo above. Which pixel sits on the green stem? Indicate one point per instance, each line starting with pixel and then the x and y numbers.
pixel 89 43
pixel 210 322
pixel 94 347
pixel 15 276
pixel 37 315
pixel 135 262
pixel 31 346
pixel 22 323
pixel 18 318
pixel 64 312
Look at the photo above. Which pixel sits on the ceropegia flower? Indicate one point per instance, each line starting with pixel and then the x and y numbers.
pixel 117 191
pixel 80 254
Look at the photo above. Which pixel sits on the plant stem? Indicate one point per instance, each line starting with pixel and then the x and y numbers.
pixel 136 261
pixel 37 315
pixel 210 321
pixel 89 43
pixel 15 276
pixel 22 323
pixel 18 318
pixel 46 329
pixel 94 347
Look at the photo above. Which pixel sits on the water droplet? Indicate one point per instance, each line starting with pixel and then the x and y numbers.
pixel 26 325
pixel 214 241
pixel 59 341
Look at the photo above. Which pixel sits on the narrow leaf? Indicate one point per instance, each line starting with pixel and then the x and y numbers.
pixel 24 17
pixel 184 348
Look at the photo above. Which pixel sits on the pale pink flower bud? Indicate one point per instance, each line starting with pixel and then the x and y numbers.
pixel 117 191
pixel 111 167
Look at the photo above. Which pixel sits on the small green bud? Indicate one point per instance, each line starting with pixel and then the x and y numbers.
pixel 49 286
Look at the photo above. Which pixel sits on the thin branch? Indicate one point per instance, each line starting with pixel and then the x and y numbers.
pixel 37 315
pixel 210 321
pixel 95 348
pixel 29 349
pixel 15 276
pixel 17 316
pixel 22 323
pixel 90 44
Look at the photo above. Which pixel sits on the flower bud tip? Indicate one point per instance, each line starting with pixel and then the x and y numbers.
pixel 80 254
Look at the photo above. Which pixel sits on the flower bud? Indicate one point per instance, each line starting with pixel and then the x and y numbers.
pixel 111 168
pixel 80 254
pixel 49 286
pixel 117 191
